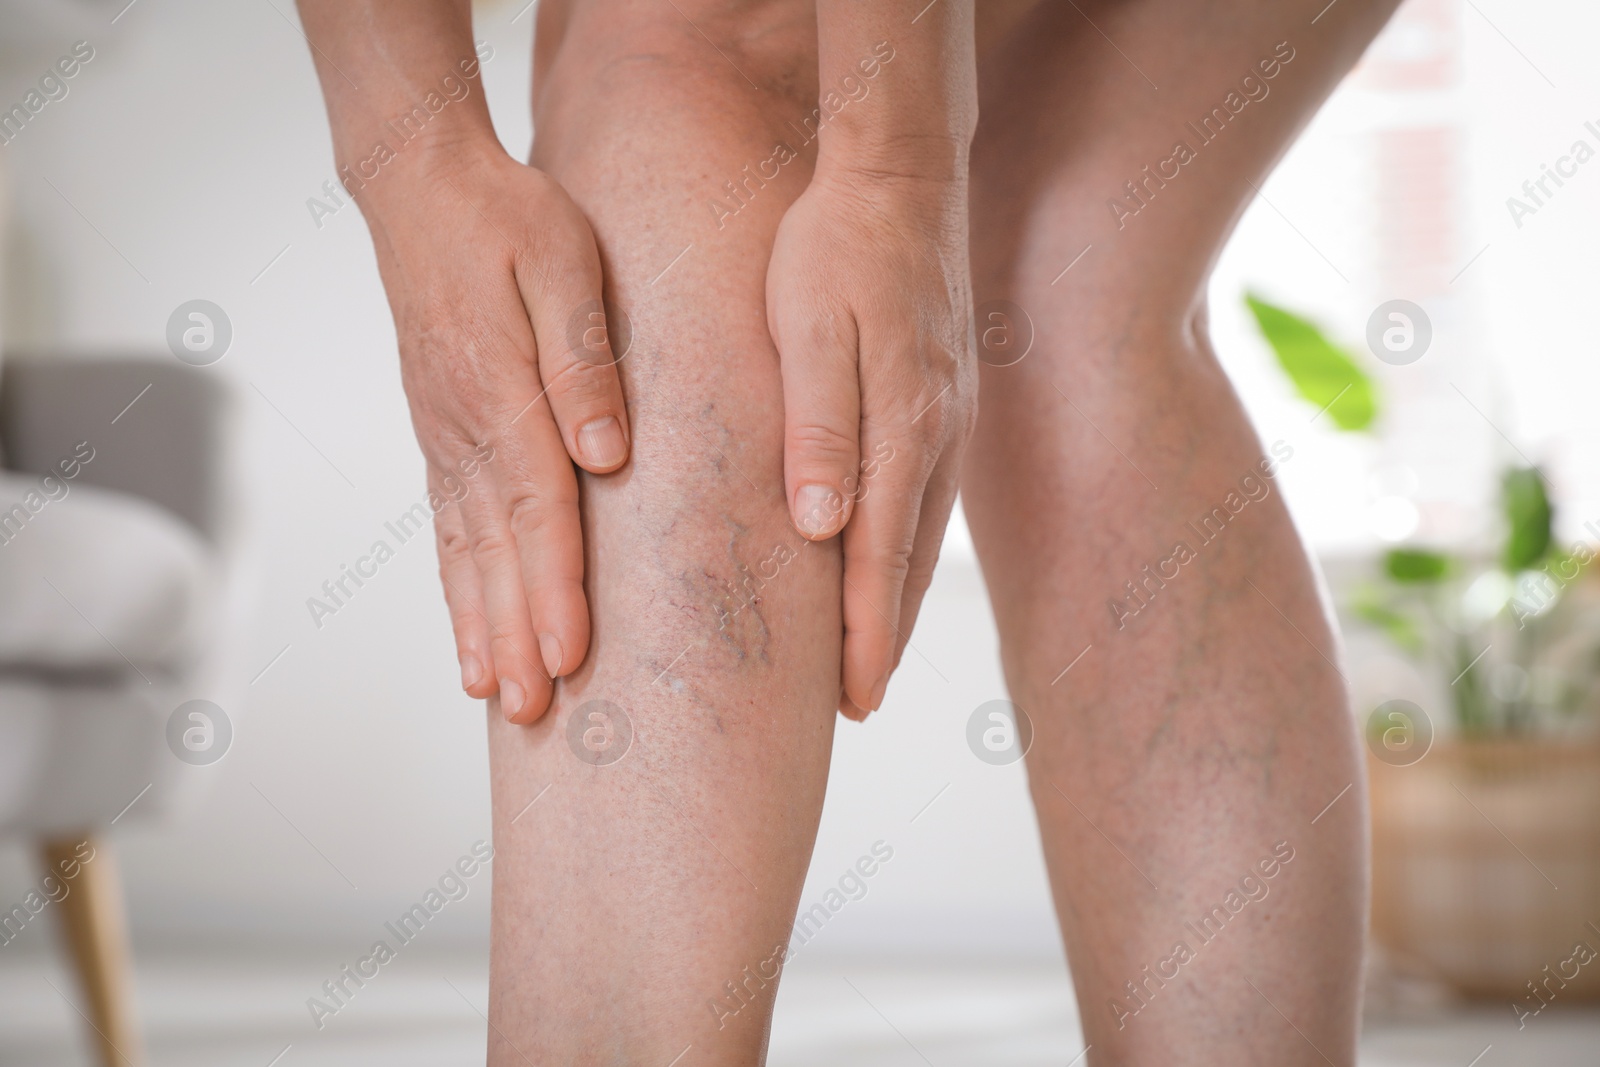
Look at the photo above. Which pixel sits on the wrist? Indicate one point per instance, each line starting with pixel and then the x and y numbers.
pixel 390 171
pixel 410 114
pixel 898 155
pixel 906 166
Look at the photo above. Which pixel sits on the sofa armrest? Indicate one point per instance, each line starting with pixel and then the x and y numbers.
pixel 169 446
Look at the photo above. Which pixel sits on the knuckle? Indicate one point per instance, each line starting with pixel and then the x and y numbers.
pixel 943 364
pixel 454 547
pixel 584 386
pixel 534 508
pixel 506 643
pixel 814 442
pixel 944 408
pixel 535 464
pixel 920 575
pixel 964 416
pixel 897 565
pixel 892 566
pixel 494 547
pixel 820 329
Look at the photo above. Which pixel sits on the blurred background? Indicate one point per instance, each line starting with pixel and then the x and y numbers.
pixel 1443 476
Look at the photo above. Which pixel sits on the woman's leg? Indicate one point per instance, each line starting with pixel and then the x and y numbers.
pixel 1184 762
pixel 641 906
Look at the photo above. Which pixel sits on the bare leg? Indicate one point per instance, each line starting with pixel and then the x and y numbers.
pixel 632 896
pixel 1185 755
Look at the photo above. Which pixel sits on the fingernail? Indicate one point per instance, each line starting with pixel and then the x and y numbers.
pixel 601 442
pixel 510 698
pixel 550 649
pixel 471 671
pixel 878 691
pixel 818 510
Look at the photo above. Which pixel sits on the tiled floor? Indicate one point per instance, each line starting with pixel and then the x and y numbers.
pixel 243 1011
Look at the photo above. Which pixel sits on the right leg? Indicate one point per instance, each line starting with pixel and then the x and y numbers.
pixel 641 907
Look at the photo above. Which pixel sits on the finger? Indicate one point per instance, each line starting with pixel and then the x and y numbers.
pixel 822 420
pixel 877 556
pixel 534 476
pixel 848 709
pixel 540 490
pixel 937 504
pixel 463 595
pixel 577 360
pixel 523 683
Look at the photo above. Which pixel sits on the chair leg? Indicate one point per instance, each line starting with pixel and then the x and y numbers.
pixel 92 915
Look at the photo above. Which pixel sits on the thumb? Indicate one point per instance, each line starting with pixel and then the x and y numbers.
pixel 822 421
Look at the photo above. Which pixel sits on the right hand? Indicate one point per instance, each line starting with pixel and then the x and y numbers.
pixel 494 280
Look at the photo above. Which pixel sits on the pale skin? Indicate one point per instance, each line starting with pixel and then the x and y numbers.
pixel 693 583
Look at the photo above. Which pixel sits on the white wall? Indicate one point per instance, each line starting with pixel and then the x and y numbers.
pixel 191 144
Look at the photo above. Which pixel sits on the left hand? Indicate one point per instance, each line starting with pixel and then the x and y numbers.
pixel 869 302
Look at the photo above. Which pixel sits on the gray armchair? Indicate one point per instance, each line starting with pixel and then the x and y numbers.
pixel 118 603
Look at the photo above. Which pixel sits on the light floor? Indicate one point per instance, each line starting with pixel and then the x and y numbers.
pixel 243 1011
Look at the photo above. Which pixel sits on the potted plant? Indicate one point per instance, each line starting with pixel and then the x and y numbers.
pixel 1486 794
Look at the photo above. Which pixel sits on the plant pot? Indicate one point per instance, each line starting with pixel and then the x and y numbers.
pixel 1486 867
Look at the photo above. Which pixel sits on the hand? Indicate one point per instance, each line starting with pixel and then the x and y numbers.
pixel 494 280
pixel 868 302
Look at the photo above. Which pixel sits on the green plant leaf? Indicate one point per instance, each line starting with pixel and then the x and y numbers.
pixel 1416 566
pixel 1528 518
pixel 1401 629
pixel 1322 373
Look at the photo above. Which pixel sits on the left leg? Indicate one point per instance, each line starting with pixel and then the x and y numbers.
pixel 1178 766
